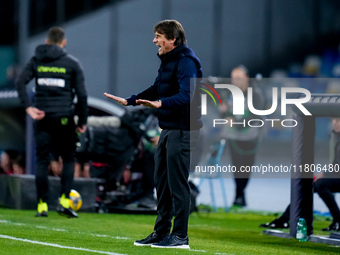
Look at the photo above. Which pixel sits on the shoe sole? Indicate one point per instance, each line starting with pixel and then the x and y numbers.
pixel 174 247
pixel 141 244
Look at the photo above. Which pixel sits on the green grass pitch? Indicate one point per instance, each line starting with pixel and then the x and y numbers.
pixel 209 233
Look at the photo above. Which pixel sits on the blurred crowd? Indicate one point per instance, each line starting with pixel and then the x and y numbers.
pixel 137 168
pixel 12 162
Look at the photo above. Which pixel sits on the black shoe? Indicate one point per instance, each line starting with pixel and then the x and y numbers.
pixel 277 223
pixel 172 241
pixel 335 226
pixel 67 212
pixel 240 201
pixel 42 214
pixel 150 239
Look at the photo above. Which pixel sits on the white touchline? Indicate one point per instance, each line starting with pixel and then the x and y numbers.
pixel 64 230
pixel 115 237
pixel 58 246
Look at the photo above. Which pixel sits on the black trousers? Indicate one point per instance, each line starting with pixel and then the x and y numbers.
pixel 325 187
pixel 54 136
pixel 172 164
pixel 242 154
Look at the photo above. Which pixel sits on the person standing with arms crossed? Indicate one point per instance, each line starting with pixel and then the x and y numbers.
pixel 177 100
pixel 58 78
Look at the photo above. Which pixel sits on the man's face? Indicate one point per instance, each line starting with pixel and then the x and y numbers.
pixel 336 124
pixel 4 161
pixel 164 44
pixel 240 79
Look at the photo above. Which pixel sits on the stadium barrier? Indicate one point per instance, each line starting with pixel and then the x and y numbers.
pixel 19 192
pixel 320 105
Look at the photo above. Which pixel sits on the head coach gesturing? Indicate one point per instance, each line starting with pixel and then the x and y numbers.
pixel 177 100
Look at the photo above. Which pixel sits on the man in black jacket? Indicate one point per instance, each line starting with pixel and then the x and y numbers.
pixel 58 78
pixel 177 100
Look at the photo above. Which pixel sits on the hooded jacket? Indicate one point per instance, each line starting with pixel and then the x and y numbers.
pixel 176 89
pixel 58 78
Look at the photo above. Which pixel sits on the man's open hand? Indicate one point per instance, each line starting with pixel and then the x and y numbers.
pixel 150 104
pixel 120 100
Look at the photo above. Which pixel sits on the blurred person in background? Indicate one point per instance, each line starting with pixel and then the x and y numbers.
pixel 144 163
pixel 82 164
pixel 243 141
pixel 6 161
pixel 12 73
pixel 58 79
pixel 82 169
pixel 56 166
pixel 325 184
pixel 19 164
pixel 177 101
